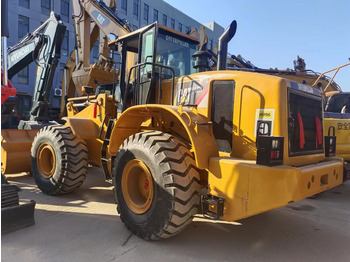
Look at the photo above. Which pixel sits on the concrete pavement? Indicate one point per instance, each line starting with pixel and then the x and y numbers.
pixel 84 226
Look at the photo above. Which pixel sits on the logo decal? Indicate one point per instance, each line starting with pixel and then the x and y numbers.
pixel 101 18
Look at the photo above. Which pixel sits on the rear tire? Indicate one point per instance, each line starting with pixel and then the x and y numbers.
pixel 174 195
pixel 59 160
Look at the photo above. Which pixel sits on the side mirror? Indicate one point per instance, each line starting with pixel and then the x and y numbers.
pixel 117 94
pixel 149 74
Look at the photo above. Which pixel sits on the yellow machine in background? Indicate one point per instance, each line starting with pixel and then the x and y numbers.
pixel 341 122
pixel 337 115
pixel 231 144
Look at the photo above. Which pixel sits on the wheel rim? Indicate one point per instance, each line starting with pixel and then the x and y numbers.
pixel 137 186
pixel 46 160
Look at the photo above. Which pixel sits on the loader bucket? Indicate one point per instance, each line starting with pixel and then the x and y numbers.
pixel 15 150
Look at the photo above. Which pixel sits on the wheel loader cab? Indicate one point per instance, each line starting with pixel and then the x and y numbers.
pixel 151 58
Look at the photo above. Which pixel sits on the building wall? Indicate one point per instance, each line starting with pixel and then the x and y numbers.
pixel 37 15
pixel 213 29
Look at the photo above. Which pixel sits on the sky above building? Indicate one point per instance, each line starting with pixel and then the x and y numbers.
pixel 272 33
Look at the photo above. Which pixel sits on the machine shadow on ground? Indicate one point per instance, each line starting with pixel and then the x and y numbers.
pixel 84 226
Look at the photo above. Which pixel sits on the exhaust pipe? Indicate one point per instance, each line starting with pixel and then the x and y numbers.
pixel 4 36
pixel 224 39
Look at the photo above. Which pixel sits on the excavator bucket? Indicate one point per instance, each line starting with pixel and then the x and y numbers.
pixel 15 150
pixel 87 76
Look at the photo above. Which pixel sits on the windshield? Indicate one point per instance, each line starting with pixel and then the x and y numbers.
pixel 337 102
pixel 175 51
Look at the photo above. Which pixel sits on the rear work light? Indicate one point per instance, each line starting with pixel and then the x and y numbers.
pixel 330 142
pixel 270 148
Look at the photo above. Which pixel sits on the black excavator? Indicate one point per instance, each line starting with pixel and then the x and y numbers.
pixel 42 46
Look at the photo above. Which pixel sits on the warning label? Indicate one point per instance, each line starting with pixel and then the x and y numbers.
pixel 266 115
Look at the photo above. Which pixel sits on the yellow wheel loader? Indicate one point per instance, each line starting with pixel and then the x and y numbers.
pixel 337 116
pixel 176 138
pixel 340 119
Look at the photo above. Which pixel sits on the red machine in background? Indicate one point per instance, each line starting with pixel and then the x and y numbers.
pixel 7 88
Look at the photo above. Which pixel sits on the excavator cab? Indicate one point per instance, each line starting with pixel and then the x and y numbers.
pixel 150 62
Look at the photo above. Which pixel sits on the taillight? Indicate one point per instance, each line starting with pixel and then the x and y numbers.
pixel 330 142
pixel 270 150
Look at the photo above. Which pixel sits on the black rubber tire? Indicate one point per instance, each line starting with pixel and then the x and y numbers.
pixel 176 184
pixel 71 160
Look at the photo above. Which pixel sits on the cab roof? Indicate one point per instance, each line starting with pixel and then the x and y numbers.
pixel 135 34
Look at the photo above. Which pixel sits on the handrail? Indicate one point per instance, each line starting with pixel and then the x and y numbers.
pixel 337 69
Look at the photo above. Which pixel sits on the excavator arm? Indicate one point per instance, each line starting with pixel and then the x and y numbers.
pixel 94 20
pixel 43 46
pixel 105 21
pixel 24 52
pixel 48 58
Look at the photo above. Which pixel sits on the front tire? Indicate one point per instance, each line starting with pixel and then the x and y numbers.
pixel 59 160
pixel 156 185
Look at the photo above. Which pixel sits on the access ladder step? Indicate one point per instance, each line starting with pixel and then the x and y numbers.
pixel 106 140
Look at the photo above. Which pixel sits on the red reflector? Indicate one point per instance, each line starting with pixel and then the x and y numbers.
pixel 275 154
pixel 95 110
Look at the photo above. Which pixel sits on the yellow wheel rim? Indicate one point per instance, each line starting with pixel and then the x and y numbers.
pixel 137 186
pixel 46 160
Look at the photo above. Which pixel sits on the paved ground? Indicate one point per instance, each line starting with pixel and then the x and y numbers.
pixel 83 226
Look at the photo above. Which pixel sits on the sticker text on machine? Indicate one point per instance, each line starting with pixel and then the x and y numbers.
pixel 266 115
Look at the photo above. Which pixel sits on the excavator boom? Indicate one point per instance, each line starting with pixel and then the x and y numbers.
pixel 105 25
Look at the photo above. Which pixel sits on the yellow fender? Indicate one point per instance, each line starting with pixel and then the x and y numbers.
pixel 84 128
pixel 183 122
